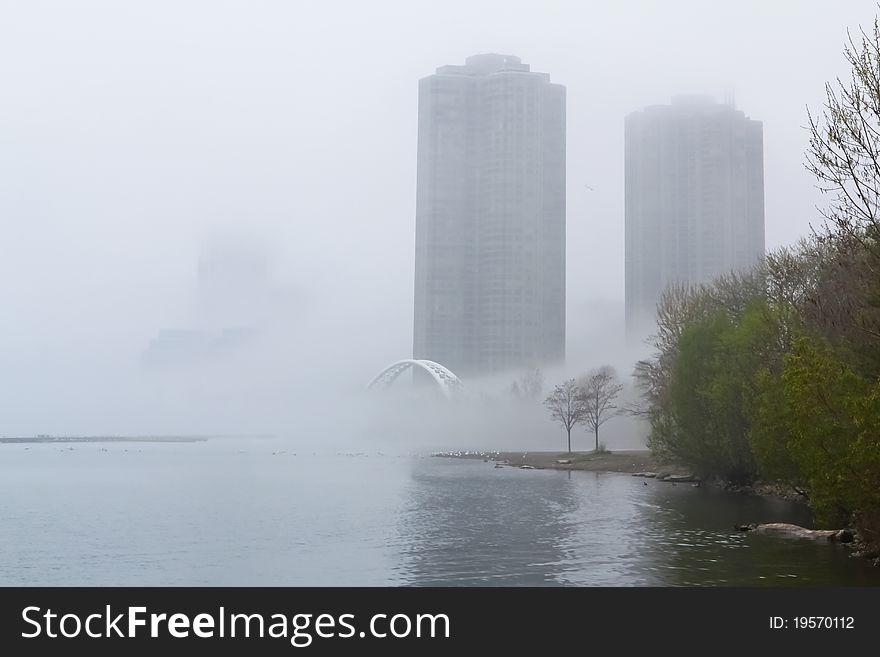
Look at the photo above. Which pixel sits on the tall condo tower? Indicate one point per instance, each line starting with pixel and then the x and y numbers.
pixel 490 217
pixel 694 199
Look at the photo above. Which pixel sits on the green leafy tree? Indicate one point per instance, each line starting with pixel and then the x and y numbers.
pixel 776 371
pixel 706 396
pixel 830 417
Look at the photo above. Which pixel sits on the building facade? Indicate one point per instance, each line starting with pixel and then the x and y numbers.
pixel 694 199
pixel 490 217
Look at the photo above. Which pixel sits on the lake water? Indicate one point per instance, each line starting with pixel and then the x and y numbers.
pixel 257 512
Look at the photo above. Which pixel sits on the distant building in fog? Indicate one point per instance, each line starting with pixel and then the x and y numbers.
pixel 490 217
pixel 694 199
pixel 188 347
pixel 237 299
pixel 235 285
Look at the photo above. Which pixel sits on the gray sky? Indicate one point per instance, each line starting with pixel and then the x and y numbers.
pixel 131 130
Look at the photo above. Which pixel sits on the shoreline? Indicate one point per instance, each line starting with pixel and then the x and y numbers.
pixel 627 462
pixel 49 440
pixel 638 463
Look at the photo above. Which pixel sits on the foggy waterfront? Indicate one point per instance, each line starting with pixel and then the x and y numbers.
pixel 257 512
pixel 372 231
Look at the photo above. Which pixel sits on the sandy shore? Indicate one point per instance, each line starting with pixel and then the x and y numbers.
pixel 623 461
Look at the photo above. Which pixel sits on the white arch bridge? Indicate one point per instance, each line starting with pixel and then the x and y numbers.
pixel 449 383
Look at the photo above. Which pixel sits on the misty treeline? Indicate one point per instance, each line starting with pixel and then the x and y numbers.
pixel 530 385
pixel 588 400
pixel 775 373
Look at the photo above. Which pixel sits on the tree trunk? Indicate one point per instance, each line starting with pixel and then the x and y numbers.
pixel 597 437
pixel 569 440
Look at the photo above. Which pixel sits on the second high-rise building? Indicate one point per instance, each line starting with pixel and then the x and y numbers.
pixel 694 199
pixel 490 217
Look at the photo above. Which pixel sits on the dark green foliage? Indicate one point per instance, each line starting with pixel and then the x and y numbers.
pixel 710 392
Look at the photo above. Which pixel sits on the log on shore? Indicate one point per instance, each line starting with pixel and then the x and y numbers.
pixel 787 530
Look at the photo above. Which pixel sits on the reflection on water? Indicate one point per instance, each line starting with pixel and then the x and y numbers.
pixel 472 524
pixel 257 512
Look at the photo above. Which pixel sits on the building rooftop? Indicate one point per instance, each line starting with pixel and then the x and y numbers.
pixel 486 64
pixel 689 105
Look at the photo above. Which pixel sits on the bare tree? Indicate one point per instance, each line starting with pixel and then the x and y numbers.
pixel 566 406
pixel 844 151
pixel 598 390
pixel 844 155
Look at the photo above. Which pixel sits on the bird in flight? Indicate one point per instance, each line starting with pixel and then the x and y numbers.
pixel 590 188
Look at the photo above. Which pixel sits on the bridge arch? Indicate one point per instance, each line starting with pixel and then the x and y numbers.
pixel 445 379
